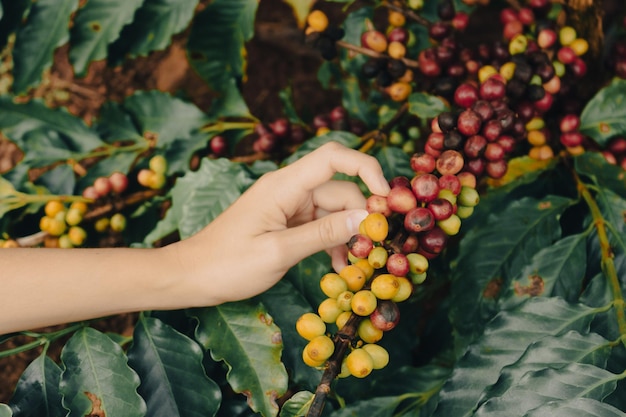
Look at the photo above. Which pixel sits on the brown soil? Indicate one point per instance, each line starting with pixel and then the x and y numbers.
pixel 277 58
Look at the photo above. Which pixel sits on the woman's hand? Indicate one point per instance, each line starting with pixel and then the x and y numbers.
pixel 284 217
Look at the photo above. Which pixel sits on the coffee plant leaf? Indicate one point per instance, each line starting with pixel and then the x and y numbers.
pixel 286 98
pixel 5 411
pixel 553 352
pixel 60 180
pixel 96 25
pixel 37 391
pixel 508 242
pixel 613 209
pixel 555 270
pixel 301 9
pixel 245 337
pixel 504 341
pixel 577 407
pixel 394 162
pixel 371 407
pixel 595 167
pixel 13 11
pixel 305 276
pixel 169 364
pixel 45 29
pixel 355 24
pixel 96 377
pixel 152 28
pixel 425 105
pixel 44 147
pixel 161 118
pixel 179 153
pixel 286 304
pixel 216 50
pixel 347 139
pixel 298 405
pixel 604 116
pixel 115 124
pixel 573 381
pixel 18 119
pixel 199 196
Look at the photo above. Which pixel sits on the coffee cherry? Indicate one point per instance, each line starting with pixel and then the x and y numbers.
pixel 376 227
pixel 56 227
pixel 423 163
pixel 398 264
pixel 450 225
pixel 332 285
pixel 328 310
pixel 320 348
pixel 354 277
pixel 396 50
pixel 367 332
pixel 384 287
pixel 399 91
pixel 310 362
pixel 310 325
pixel 364 265
pixel 101 225
pixel 145 177
pixel 317 20
pixel 465 95
pixel 378 204
pixel 344 300
pixel 425 187
pixel 158 164
pixel 468 197
pixel 386 315
pixel 469 122
pixel 401 200
pixel 118 222
pixel 380 356
pixel 360 245
pixel 103 186
pixel 404 291
pixel 119 182
pixel 53 207
pixel 450 162
pixel 420 219
pixel 377 258
pixel 64 242
pixel 396 19
pixel 359 363
pixel 432 242
pixel 73 217
pixel 374 40
pixel 440 208
pixel 417 263
pixel 76 235
pixel 342 319
pixel 363 303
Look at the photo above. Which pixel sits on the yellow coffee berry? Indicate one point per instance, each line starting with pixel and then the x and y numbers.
pixel 310 362
pixel 328 310
pixel 342 319
pixel 385 286
pixel 79 206
pixel 317 20
pixel 344 300
pixel 158 164
pixel 367 332
pixel 380 356
pixel 359 363
pixel 377 257
pixel 101 225
pixel 310 325
pixel 396 50
pixel 363 303
pixel 376 226
pixel 77 235
pixel 365 266
pixel 404 291
pixel 332 285
pixel 354 277
pixel 396 19
pixel 53 207
pixel 320 348
pixel 56 227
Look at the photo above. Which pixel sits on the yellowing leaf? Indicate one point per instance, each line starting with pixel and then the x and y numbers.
pixel 301 9
pixel 519 167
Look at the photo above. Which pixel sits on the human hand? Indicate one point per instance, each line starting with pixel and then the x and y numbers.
pixel 284 217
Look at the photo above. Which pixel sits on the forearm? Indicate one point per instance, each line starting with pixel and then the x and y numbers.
pixel 42 287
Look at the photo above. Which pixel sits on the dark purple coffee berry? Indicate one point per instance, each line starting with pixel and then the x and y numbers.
pixel 419 219
pixel 446 121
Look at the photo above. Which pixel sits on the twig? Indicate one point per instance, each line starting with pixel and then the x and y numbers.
pixel 368 52
pixel 117 205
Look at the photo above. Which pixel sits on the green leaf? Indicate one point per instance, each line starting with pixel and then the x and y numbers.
pixel 536 388
pixel 169 364
pixel 425 105
pixel 162 117
pixel 613 209
pixel 115 124
pixel 96 376
pixel 5 411
pixel 301 9
pixel 286 304
pixel 97 24
pixel 505 339
pixel 394 162
pixel 553 352
pixel 578 407
pixel 13 11
pixel 244 336
pixel 306 275
pixel 59 180
pixel 45 29
pixel 507 243
pixel 558 269
pixel 200 196
pixel 298 405
pixel 347 139
pixel 286 98
pixel 372 407
pixel 354 102
pixel 604 116
pixel 216 49
pixel 153 26
pixel 594 166
pixel 17 120
pixel 37 391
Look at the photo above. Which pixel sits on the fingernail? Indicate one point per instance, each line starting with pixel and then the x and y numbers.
pixel 354 220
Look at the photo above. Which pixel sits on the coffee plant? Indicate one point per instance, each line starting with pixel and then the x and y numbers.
pixel 490 282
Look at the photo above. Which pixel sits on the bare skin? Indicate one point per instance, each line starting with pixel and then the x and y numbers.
pixel 284 217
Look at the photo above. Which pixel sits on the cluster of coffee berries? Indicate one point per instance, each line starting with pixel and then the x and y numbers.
pixel 322 34
pixel 616 58
pixel 9 243
pixel 615 152
pixel 114 184
pixel 277 134
pixel 154 177
pixel 337 119
pixel 62 224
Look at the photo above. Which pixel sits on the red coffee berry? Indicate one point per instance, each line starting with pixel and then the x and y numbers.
pixel 465 95
pixel 469 122
pixel 401 200
pixel 419 219
pixel 422 162
pixel 425 187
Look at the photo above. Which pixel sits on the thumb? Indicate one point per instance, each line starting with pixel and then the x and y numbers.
pixel 324 233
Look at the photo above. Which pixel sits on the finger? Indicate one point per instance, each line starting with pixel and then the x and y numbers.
pixel 319 166
pixel 338 195
pixel 328 232
pixel 339 257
